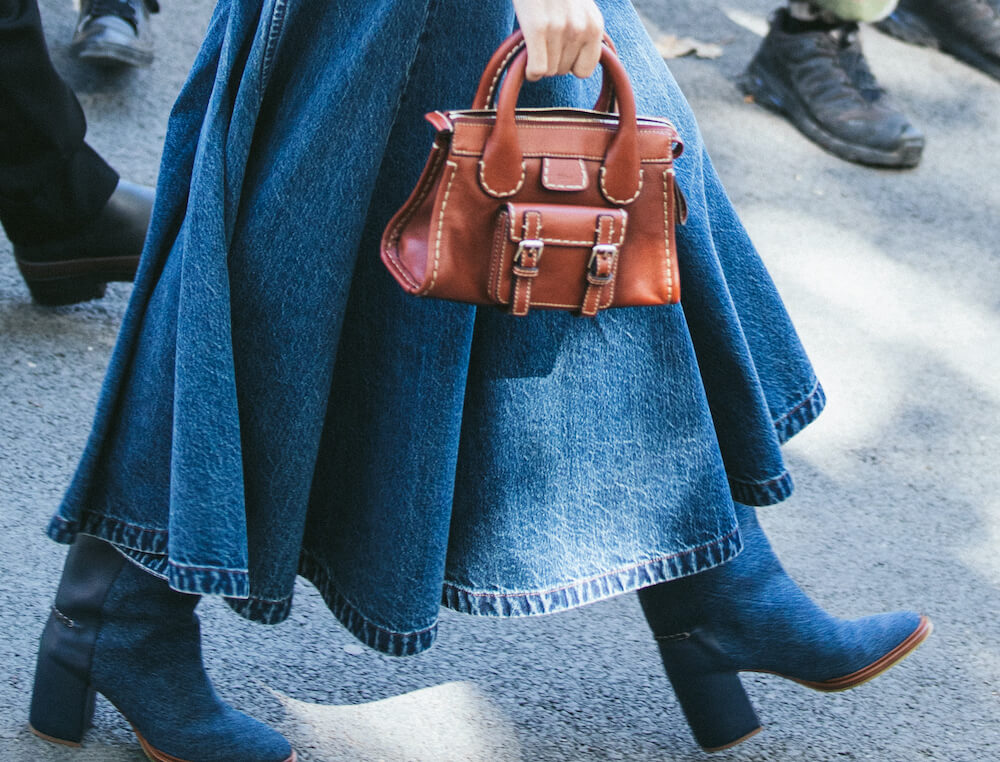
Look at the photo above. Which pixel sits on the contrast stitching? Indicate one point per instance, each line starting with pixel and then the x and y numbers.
pixel 500 70
pixel 437 155
pixel 577 583
pixel 668 263
pixel 440 231
pixel 497 193
pixel 556 186
pixel 618 259
pixel 498 248
pixel 614 200
pixel 522 286
pixel 539 154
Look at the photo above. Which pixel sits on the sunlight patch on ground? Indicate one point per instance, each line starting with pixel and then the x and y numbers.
pixel 453 721
pixel 749 21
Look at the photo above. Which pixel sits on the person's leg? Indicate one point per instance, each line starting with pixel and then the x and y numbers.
pixel 115 32
pixel 119 631
pixel 73 224
pixel 748 615
pixel 967 29
pixel 810 68
pixel 50 179
pixel 849 10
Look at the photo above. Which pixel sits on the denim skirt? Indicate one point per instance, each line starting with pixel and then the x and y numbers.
pixel 276 405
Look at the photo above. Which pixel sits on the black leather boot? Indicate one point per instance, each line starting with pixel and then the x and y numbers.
pixel 76 268
pixel 967 29
pixel 114 32
pixel 816 76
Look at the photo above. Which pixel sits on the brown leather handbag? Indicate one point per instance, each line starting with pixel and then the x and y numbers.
pixel 550 208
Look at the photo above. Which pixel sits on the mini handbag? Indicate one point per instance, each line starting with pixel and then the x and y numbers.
pixel 556 208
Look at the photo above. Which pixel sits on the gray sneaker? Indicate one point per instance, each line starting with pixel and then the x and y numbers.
pixel 114 32
pixel 819 79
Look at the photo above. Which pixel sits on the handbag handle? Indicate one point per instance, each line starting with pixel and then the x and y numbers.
pixel 499 62
pixel 502 171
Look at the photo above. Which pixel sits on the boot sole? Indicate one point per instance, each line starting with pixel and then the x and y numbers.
pixel 158 756
pixel 876 668
pixel 764 89
pixel 54 284
pixel 53 739
pixel 150 752
pixel 910 28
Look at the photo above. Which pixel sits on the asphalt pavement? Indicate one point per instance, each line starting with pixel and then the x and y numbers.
pixel 893 279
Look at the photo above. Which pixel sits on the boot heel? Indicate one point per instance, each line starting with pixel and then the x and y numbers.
pixel 55 293
pixel 714 702
pixel 62 704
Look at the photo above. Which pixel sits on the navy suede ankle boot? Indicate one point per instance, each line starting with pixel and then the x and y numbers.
pixel 748 615
pixel 119 631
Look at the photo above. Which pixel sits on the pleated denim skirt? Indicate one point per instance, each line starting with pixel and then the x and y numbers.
pixel 276 405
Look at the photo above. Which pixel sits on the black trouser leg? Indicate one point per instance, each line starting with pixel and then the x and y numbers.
pixel 51 181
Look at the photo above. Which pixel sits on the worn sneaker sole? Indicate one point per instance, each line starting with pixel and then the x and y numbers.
pixel 908 27
pixel 110 53
pixel 766 90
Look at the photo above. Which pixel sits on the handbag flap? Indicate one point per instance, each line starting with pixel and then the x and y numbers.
pixel 571 226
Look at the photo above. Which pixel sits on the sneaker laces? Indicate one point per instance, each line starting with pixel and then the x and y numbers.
pixel 836 72
pixel 854 63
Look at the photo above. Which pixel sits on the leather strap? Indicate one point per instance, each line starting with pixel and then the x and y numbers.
pixel 601 268
pixel 489 83
pixel 525 266
pixel 502 171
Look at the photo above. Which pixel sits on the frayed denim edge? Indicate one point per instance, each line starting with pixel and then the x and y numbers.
pixel 786 426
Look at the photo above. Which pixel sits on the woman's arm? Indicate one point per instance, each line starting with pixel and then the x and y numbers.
pixel 562 36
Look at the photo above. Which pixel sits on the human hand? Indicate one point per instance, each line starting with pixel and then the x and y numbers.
pixel 562 36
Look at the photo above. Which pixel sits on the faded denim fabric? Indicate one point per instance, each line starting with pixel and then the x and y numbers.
pixel 277 405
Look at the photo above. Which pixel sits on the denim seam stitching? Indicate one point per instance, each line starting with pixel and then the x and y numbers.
pixel 354 607
pixel 620 570
pixel 274 29
pixel 755 483
pixel 805 401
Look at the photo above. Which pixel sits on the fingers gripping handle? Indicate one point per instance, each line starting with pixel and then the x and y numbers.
pixel 502 167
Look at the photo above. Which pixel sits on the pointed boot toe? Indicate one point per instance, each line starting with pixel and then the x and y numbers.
pixel 748 615
pixel 887 639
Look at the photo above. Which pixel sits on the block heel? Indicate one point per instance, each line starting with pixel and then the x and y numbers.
pixel 56 293
pixel 62 703
pixel 714 702
pixel 119 631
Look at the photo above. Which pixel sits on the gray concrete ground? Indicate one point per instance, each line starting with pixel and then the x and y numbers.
pixel 892 278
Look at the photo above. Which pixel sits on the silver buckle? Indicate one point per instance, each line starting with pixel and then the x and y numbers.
pixel 535 245
pixel 601 249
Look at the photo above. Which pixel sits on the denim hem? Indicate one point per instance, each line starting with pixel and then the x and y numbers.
pixel 148 548
pixel 382 639
pixel 233 585
pixel 801 415
pixel 374 636
pixel 623 580
pixel 766 492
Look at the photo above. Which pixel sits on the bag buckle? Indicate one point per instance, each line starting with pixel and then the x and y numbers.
pixel 529 251
pixel 601 267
